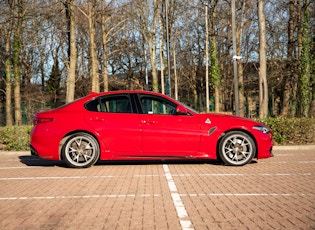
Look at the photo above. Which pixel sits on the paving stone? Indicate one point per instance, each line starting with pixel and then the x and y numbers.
pixel 274 193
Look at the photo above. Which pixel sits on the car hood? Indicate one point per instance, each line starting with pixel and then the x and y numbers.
pixel 226 120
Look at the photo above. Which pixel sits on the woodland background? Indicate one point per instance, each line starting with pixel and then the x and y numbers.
pixel 52 52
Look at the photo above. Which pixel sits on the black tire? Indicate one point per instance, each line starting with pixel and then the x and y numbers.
pixel 237 148
pixel 81 150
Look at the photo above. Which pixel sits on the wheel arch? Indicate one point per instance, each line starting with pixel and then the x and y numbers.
pixel 240 130
pixel 65 137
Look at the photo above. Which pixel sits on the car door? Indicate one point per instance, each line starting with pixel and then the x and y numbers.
pixel 163 132
pixel 118 126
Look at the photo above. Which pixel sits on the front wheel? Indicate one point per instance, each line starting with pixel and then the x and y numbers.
pixel 237 148
pixel 81 150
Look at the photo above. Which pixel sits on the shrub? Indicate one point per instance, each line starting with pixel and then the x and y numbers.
pixel 292 130
pixel 15 137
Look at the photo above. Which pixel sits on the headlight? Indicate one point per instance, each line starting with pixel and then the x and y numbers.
pixel 263 129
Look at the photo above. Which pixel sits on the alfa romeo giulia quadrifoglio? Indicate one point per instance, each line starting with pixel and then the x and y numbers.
pixel 141 125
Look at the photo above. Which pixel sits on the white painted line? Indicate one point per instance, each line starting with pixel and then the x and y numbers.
pixel 246 194
pixel 177 201
pixel 54 178
pixel 147 175
pixel 285 162
pixel 222 174
pixel 258 174
pixel 76 197
pixel 181 211
pixel 171 183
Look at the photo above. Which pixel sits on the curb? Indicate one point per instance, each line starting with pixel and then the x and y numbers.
pixel 293 147
pixel 15 152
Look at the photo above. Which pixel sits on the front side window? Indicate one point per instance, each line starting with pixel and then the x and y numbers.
pixel 155 105
pixel 110 104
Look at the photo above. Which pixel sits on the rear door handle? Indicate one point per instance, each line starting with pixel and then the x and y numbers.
pixel 97 119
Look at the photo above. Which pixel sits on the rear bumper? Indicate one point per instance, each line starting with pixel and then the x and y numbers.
pixel 44 143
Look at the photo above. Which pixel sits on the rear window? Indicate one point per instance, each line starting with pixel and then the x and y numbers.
pixel 110 104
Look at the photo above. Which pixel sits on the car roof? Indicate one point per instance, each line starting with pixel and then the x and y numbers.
pixel 126 91
pixel 94 94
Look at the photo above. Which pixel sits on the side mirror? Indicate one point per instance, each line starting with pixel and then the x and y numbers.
pixel 181 110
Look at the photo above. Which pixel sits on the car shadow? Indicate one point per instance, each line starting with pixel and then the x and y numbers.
pixel 170 162
pixel 36 161
pixel 157 162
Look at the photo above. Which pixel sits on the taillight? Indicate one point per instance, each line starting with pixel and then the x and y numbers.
pixel 38 120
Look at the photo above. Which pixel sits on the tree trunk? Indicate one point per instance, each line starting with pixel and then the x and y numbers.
pixel 241 88
pixel 16 65
pixel 175 74
pixel 148 31
pixel 152 51
pixel 207 58
pixel 161 50
pixel 240 75
pixel 235 79
pixel 312 109
pixel 288 81
pixel 72 52
pixel 104 43
pixel 93 55
pixel 8 82
pixel 305 65
pixel 215 67
pixel 263 86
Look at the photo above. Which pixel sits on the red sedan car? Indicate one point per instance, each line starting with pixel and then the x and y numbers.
pixel 140 125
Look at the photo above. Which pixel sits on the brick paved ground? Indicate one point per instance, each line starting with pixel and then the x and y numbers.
pixel 275 193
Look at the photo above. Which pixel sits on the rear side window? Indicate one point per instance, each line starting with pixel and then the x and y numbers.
pixel 93 105
pixel 110 104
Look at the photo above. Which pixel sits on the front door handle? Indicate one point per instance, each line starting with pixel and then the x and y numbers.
pixel 149 122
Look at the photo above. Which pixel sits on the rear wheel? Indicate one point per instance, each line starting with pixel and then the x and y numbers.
pixel 80 150
pixel 237 148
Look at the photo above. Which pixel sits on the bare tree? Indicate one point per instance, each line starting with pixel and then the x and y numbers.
pixel 91 17
pixel 207 57
pixel 263 86
pixel 8 80
pixel 239 31
pixel 104 18
pixel 112 22
pixel 215 68
pixel 146 20
pixel 72 49
pixel 290 81
pixel 17 37
pixel 161 47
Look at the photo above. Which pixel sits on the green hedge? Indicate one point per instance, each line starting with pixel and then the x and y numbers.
pixel 15 138
pixel 293 131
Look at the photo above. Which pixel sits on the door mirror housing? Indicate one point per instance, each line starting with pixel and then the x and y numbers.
pixel 181 110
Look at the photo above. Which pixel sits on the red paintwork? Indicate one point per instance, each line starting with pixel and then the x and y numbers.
pixel 124 136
